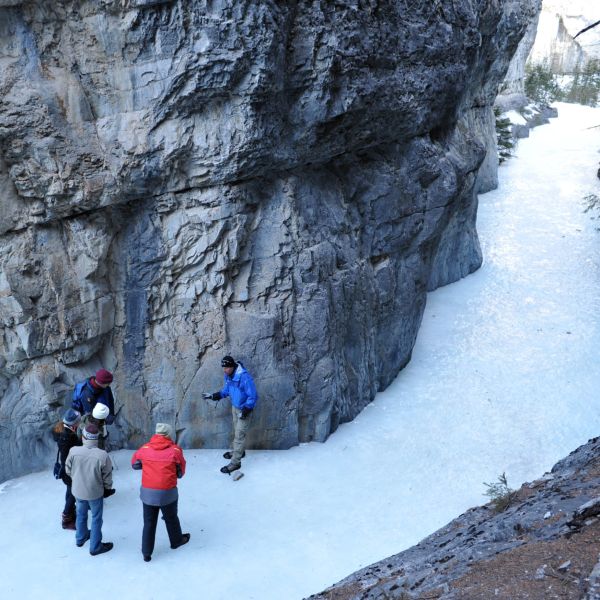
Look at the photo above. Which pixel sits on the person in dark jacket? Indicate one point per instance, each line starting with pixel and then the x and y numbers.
pixel 92 391
pixel 162 463
pixel 239 386
pixel 98 417
pixel 65 435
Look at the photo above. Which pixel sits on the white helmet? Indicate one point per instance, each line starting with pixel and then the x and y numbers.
pixel 100 411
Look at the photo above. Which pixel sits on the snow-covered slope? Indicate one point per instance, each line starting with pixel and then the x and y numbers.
pixel 504 377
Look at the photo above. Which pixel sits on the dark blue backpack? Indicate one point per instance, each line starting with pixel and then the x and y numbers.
pixel 77 400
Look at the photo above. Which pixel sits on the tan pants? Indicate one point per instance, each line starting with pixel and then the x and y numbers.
pixel 240 429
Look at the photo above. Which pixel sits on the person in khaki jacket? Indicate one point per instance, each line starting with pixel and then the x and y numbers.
pixel 91 472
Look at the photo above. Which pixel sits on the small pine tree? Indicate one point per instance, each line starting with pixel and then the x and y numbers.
pixel 500 494
pixel 504 139
pixel 573 91
pixel 585 87
pixel 592 203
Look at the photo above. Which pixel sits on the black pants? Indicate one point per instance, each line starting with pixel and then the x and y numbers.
pixel 69 508
pixel 151 519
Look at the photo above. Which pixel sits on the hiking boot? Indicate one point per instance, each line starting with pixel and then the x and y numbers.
pixel 229 455
pixel 230 468
pixel 104 547
pixel 68 521
pixel 147 558
pixel 185 538
pixel 84 540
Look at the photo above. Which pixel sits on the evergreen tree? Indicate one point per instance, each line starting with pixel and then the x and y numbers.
pixel 541 84
pixel 585 87
pixel 504 138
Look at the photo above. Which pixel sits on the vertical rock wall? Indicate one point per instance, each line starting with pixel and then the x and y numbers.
pixel 511 96
pixel 282 182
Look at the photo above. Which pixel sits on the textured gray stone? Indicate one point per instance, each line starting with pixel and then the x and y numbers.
pixel 511 96
pixel 278 181
pixel 594 585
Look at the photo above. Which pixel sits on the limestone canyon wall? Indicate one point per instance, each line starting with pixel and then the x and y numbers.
pixel 279 181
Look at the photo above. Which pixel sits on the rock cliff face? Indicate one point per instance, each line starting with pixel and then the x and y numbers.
pixel 511 94
pixel 282 182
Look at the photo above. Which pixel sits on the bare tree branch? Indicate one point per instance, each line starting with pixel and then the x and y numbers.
pixel 588 27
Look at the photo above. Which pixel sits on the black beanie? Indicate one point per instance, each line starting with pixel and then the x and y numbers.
pixel 227 361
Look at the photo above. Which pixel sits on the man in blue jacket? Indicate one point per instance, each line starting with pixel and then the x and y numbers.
pixel 239 386
pixel 92 391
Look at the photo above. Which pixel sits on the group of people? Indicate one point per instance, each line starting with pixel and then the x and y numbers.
pixel 86 468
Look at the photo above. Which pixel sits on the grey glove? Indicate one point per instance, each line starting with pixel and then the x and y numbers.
pixel 207 396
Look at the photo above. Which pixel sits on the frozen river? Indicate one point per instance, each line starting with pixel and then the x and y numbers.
pixel 504 378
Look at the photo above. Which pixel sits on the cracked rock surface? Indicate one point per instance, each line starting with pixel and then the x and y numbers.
pixel 282 182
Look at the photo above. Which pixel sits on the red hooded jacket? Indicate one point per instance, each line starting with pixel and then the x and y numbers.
pixel 159 458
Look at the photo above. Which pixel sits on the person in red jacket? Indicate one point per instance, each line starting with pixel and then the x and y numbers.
pixel 162 463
